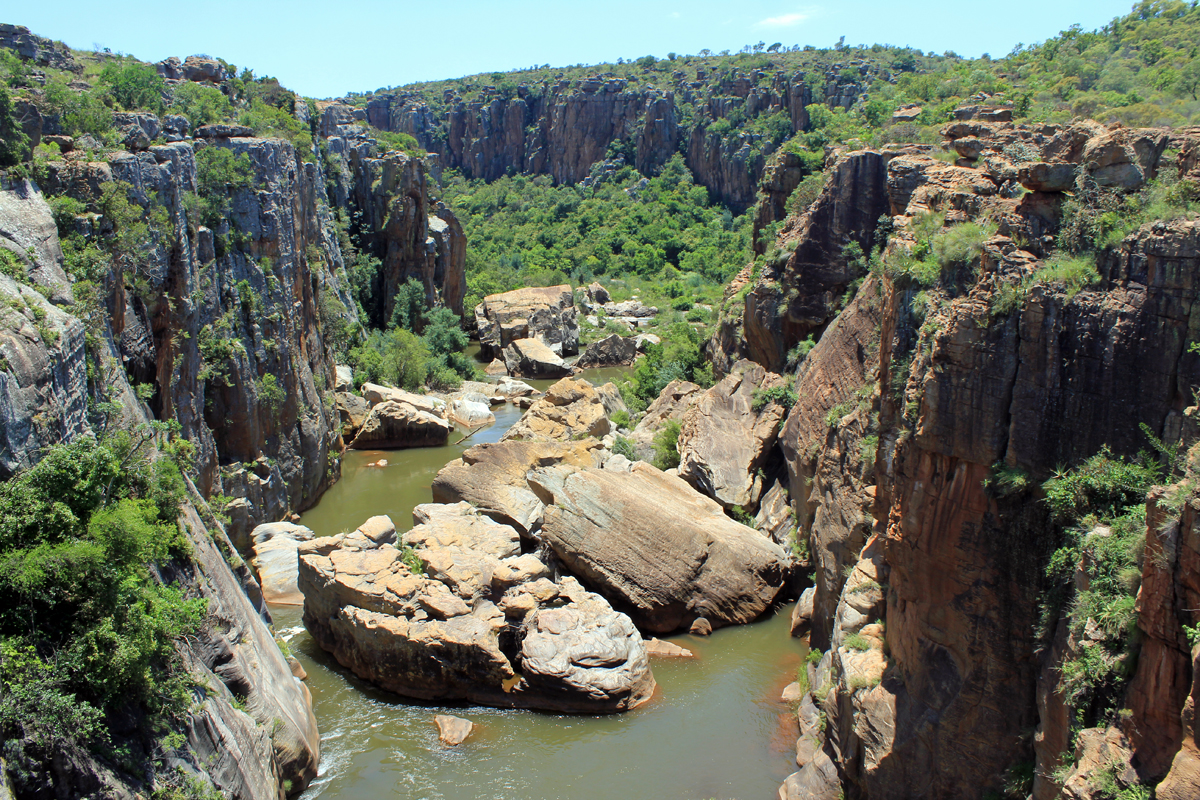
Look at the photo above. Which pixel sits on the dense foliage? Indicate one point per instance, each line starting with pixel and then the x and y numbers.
pixel 524 231
pixel 86 630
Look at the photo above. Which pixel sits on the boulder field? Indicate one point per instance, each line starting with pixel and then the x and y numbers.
pixel 530 580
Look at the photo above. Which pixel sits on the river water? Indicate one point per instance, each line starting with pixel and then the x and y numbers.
pixel 715 729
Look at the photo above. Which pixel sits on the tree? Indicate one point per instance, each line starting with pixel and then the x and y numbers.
pixel 775 47
pixel 134 85
pixel 14 144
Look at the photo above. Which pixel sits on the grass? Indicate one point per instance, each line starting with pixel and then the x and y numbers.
pixel 856 641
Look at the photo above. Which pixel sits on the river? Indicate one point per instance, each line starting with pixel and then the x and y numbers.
pixel 715 729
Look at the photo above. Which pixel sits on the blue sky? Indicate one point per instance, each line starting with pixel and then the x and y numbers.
pixel 325 49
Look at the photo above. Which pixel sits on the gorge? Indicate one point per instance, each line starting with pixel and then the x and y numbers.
pixel 868 376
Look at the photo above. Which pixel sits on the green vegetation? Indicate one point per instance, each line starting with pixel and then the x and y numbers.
pixel 678 357
pixel 219 173
pixel 1102 491
pixel 14 144
pixel 779 395
pixel 856 641
pixel 527 232
pixel 624 447
pixel 85 629
pixel 666 445
pixel 134 85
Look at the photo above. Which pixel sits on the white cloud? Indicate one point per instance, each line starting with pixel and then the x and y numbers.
pixel 784 20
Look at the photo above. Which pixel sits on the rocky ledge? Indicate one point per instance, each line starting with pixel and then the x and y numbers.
pixel 457 612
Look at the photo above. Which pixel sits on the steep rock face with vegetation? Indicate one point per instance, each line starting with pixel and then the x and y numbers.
pixel 561 127
pixel 972 365
pixel 384 196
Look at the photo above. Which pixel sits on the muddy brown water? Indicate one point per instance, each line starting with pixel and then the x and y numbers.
pixel 715 729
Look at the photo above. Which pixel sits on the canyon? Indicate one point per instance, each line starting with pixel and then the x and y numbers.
pixel 916 371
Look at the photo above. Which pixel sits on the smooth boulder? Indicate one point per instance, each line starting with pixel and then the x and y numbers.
pixel 453 731
pixel 657 549
pixel 531 358
pixel 392 425
pixel 724 441
pixel 491 477
pixel 275 560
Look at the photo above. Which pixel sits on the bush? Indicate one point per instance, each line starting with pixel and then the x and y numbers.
pixel 856 641
pixel 202 105
pixel 398 358
pixel 134 85
pixel 666 445
pixel 219 173
pixel 85 629
pixel 624 447
pixel 14 144
pixel 781 395
pixel 620 419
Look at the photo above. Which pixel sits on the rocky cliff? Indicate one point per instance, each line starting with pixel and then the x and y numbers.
pixel 217 305
pixel 562 127
pixel 919 392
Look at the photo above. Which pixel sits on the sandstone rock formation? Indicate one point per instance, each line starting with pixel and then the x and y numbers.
pixel 545 314
pixel 656 548
pixel 532 644
pixel 901 422
pixel 531 358
pixel 275 560
pixel 392 425
pixel 452 730
pixel 612 350
pixel 568 410
pixel 724 443
pixel 491 477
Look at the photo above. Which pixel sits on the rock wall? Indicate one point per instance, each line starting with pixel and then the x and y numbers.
pixel 562 128
pixel 907 403
pixel 386 199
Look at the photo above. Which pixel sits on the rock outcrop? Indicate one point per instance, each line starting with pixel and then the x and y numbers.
pixel 725 441
pixel 275 560
pixel 532 358
pixel 612 350
pixel 408 626
pixel 905 414
pixel 547 315
pixel 570 409
pixel 660 551
pixel 392 425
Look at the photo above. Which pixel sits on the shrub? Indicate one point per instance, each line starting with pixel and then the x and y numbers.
pixel 620 419
pixel 134 85
pixel 202 105
pixel 666 445
pixel 14 144
pixel 271 394
pixel 408 308
pixel 398 357
pixel 780 395
pixel 624 447
pixel 856 641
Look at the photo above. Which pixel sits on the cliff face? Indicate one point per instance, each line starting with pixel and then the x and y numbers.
pixel 252 728
pixel 562 128
pixel 385 197
pixel 908 401
pixel 227 331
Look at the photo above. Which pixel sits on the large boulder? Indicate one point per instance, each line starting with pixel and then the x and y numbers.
pixel 491 477
pixel 531 358
pixel 352 411
pixel 411 632
pixel 275 547
pixel 656 548
pixel 544 313
pixel 392 425
pixel 375 394
pixel 724 440
pixel 470 411
pixel 612 350
pixel 596 293
pixel 569 409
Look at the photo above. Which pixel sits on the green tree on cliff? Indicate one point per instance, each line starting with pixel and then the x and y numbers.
pixel 14 144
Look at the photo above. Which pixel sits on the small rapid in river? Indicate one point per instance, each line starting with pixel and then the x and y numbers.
pixel 716 728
